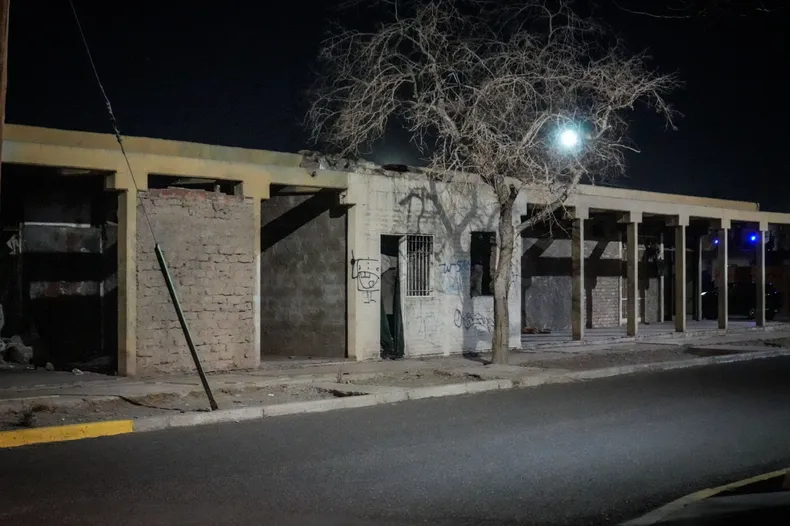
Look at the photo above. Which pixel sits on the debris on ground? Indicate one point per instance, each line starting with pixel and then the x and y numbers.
pixel 13 350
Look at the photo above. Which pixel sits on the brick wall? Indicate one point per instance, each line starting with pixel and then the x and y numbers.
pixel 303 276
pixel 208 243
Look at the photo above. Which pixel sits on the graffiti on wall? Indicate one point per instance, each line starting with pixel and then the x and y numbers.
pixel 427 327
pixel 453 275
pixel 365 271
pixel 473 320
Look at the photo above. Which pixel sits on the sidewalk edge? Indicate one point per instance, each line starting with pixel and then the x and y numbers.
pixel 116 427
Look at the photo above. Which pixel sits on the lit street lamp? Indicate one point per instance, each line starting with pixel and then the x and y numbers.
pixel 569 139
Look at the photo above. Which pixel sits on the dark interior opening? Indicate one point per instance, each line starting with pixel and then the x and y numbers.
pixel 194 183
pixel 58 266
pixel 482 255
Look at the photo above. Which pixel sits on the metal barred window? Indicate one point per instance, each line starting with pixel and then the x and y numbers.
pixel 418 267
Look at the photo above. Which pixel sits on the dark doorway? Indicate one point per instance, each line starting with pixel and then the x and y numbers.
pixel 59 266
pixel 391 317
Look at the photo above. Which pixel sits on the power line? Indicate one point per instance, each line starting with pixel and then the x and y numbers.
pixel 113 120
pixel 160 256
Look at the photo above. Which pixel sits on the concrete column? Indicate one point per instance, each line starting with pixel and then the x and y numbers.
pixel 354 346
pixel 127 283
pixel 759 312
pixel 577 272
pixel 698 280
pixel 721 281
pixel 257 350
pixel 632 255
pixel 661 281
pixel 680 278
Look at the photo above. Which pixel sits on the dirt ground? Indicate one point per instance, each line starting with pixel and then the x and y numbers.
pixel 426 378
pixel 42 414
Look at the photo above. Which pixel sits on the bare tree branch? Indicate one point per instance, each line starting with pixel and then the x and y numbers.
pixel 687 9
pixel 487 90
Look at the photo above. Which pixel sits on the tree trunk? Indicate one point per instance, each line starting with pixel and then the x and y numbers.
pixel 502 272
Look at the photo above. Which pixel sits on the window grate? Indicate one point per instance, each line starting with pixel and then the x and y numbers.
pixel 418 267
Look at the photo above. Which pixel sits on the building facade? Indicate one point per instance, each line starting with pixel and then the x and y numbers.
pixel 272 255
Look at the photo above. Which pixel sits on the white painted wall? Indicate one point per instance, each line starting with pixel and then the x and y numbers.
pixel 449 320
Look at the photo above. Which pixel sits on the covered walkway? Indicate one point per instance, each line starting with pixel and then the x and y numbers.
pixel 647 332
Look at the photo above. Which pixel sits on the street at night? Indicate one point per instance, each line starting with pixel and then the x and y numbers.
pixel 591 453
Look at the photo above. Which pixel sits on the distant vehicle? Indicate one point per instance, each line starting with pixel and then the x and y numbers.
pixel 741 301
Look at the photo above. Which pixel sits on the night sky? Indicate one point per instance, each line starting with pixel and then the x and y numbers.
pixel 235 72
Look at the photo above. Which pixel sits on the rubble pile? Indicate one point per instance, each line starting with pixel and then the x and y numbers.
pixel 13 350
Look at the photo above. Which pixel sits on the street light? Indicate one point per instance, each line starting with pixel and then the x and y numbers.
pixel 569 139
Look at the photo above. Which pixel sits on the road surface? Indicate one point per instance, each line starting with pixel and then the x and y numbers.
pixel 590 453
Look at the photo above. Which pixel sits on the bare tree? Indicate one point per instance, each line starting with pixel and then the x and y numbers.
pixel 688 9
pixel 490 92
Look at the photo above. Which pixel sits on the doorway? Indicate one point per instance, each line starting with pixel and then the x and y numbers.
pixel 391 323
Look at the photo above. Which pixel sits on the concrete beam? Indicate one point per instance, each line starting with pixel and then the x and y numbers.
pixel 577 280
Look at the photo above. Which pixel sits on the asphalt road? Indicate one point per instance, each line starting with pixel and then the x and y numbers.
pixel 592 453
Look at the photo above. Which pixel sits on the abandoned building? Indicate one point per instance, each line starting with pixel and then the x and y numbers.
pixel 274 256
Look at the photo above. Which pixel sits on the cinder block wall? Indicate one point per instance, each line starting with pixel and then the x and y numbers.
pixel 303 276
pixel 546 279
pixel 209 246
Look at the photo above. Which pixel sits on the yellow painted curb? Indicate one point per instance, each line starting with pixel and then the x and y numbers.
pixel 41 435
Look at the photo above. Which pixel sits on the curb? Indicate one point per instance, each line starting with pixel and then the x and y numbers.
pixel 41 435
pixel 663 512
pixel 385 396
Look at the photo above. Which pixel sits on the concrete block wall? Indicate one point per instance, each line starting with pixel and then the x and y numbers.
pixel 303 276
pixel 208 242
pixel 449 320
pixel 546 279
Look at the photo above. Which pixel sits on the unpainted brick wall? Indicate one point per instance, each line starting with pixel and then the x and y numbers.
pixel 208 242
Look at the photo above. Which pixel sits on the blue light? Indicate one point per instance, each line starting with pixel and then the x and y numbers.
pixel 753 238
pixel 715 241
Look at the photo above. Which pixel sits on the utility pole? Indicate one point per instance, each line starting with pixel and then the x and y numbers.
pixel 4 9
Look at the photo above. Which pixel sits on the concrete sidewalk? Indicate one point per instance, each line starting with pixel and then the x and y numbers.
pixel 31 400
